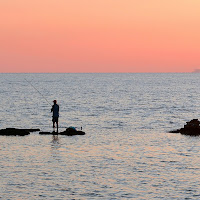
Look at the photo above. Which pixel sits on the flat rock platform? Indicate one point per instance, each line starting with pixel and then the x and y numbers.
pixel 16 131
pixel 68 132
pixel 22 132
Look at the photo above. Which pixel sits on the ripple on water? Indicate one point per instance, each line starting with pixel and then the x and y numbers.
pixel 126 152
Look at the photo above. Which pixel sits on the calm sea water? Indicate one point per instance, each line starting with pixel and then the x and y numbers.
pixel 127 152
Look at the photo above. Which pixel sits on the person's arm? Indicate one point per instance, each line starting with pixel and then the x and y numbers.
pixel 52 109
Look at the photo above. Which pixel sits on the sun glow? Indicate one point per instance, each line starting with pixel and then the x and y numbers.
pixel 99 36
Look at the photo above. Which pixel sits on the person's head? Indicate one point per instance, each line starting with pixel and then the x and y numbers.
pixel 54 101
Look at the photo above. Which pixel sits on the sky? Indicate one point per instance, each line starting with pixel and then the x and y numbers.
pixel 99 36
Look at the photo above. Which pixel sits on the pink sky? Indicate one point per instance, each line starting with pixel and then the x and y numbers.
pixel 99 35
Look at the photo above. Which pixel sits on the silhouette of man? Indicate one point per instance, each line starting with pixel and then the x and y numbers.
pixel 55 110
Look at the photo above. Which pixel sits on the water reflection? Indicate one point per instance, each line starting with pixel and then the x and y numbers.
pixel 55 143
pixel 55 139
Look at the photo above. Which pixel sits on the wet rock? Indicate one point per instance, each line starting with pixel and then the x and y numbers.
pixel 14 132
pixel 31 129
pixel 48 133
pixel 69 132
pixel 191 128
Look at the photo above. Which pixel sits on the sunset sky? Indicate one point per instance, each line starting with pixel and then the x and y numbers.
pixel 99 35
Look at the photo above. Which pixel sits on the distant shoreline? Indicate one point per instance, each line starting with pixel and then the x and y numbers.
pixel 196 71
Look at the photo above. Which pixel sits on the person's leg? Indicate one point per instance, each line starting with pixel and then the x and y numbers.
pixel 53 120
pixel 57 126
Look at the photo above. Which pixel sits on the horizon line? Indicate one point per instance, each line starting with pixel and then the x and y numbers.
pixel 97 72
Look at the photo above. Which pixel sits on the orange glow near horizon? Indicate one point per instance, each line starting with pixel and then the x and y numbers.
pixel 99 36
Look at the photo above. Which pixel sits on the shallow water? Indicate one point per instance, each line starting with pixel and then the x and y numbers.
pixel 127 152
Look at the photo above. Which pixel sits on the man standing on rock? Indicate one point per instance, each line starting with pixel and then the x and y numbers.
pixel 55 110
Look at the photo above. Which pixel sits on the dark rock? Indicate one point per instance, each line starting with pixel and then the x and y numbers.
pixel 14 132
pixel 69 132
pixel 31 129
pixel 190 131
pixel 191 128
pixel 175 131
pixel 48 133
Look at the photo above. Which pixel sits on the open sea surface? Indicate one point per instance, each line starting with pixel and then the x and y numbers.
pixel 127 152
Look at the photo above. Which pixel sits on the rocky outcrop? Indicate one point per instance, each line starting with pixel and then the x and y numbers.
pixel 191 128
pixel 15 131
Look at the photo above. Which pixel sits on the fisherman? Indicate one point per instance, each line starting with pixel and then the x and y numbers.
pixel 55 110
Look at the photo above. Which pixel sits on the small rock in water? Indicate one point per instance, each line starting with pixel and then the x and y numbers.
pixel 191 128
pixel 14 132
pixel 72 131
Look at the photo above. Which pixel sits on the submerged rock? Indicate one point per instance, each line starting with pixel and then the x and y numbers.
pixel 69 131
pixel 191 128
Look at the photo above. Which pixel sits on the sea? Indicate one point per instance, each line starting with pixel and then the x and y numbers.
pixel 127 151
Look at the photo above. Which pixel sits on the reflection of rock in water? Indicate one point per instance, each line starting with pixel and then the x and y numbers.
pixel 191 128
